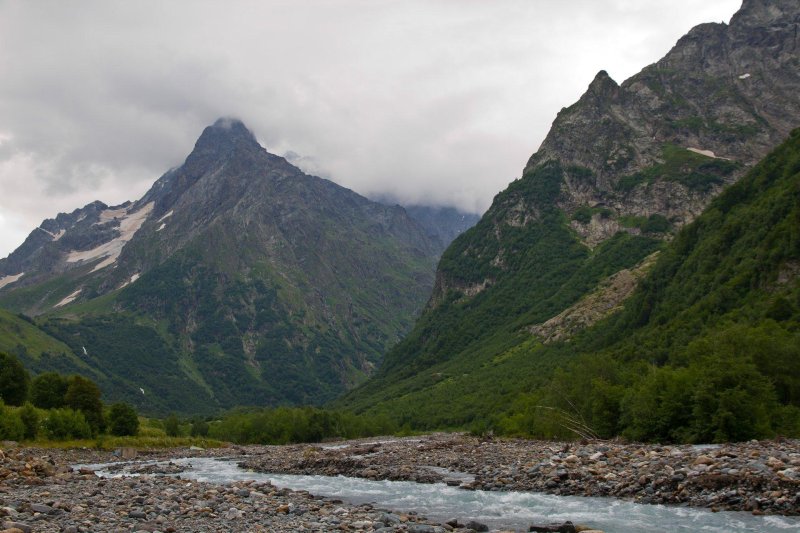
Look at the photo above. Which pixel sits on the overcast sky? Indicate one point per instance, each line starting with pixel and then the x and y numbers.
pixel 438 102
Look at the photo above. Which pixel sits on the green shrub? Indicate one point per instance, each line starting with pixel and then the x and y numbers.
pixel 11 425
pixel 656 224
pixel 583 214
pixel 48 390
pixel 172 426
pixel 14 380
pixel 30 419
pixel 122 420
pixel 66 423
pixel 84 395
pixel 199 428
pixel 284 425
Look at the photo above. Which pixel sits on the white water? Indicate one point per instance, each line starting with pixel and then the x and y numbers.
pixel 499 510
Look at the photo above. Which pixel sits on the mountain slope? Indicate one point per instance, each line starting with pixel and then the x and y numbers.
pixel 708 347
pixel 19 336
pixel 620 171
pixel 238 277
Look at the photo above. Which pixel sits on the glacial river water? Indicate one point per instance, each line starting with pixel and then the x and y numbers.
pixel 499 510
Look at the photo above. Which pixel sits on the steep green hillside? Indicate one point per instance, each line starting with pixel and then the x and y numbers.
pixel 621 171
pixel 20 336
pixel 707 348
pixel 469 345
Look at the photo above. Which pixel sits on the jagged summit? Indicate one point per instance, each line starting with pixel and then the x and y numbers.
pixel 765 12
pixel 602 86
pixel 232 128
pixel 223 138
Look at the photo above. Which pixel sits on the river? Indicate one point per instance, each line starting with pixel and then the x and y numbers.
pixel 499 510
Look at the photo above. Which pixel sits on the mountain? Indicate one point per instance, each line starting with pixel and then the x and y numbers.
pixel 619 174
pixel 236 279
pixel 442 223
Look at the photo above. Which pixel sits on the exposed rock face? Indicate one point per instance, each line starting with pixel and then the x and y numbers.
pixel 593 307
pixel 644 147
pixel 727 89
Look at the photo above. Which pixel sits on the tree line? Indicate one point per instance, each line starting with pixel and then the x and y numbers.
pixel 56 407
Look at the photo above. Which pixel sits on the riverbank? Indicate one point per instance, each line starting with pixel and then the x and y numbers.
pixel 39 491
pixel 759 477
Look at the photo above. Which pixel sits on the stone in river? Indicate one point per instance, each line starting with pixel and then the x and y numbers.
pixel 477 526
pixel 566 527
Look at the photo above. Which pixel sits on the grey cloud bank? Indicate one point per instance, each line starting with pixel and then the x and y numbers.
pixel 437 102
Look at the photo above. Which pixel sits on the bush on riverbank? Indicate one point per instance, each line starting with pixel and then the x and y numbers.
pixel 285 425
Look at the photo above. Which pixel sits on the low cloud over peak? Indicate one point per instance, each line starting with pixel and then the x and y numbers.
pixel 429 102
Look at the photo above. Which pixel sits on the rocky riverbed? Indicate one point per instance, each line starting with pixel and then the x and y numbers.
pixel 40 491
pixel 760 477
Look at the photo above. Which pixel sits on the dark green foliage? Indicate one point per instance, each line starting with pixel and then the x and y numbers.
pixel 721 396
pixel 63 424
pixel 48 390
pixel 584 213
pixel 30 419
pixel 284 425
pixel 653 224
pixel 122 420
pixel 122 367
pixel 11 425
pixel 14 380
pixel 84 395
pixel 780 309
pixel 710 343
pixel 172 426
pixel 199 428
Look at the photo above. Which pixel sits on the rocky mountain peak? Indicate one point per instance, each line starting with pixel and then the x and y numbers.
pixel 225 133
pixel 221 140
pixel 603 87
pixel 765 12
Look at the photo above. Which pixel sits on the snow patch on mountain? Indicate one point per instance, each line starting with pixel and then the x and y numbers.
pixel 129 224
pixel 707 153
pixel 69 299
pixel 8 280
pixel 133 278
pixel 55 236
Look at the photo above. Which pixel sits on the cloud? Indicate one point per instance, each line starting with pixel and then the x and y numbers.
pixel 429 101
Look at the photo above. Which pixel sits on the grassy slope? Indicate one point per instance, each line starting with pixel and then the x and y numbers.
pixel 16 332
